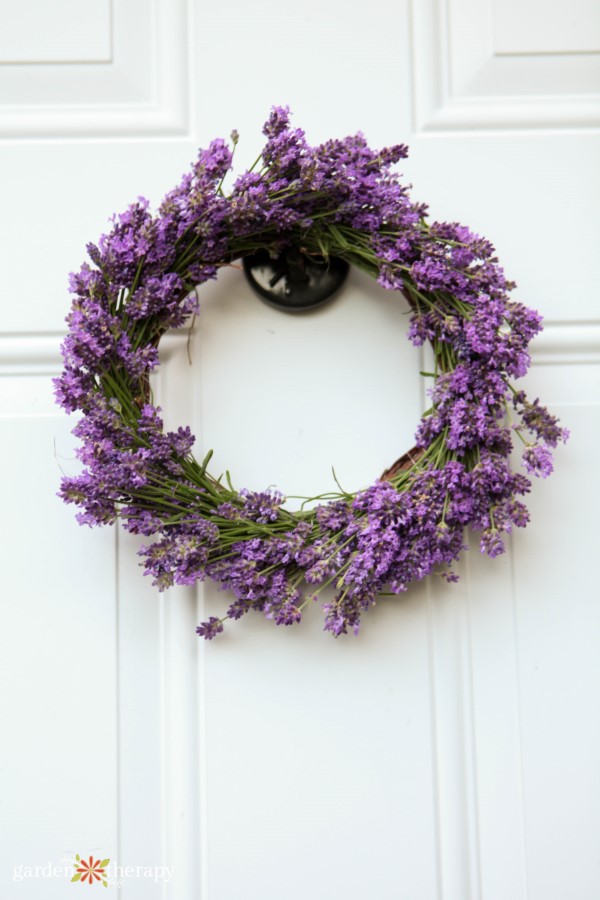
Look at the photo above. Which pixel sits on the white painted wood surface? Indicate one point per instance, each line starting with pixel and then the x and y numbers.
pixel 451 751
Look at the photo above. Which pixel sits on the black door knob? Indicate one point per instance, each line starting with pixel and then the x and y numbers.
pixel 294 282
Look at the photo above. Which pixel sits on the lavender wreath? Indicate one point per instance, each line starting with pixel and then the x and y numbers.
pixel 338 199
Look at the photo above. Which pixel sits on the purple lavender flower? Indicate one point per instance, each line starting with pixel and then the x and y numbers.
pixel 491 543
pixel 538 461
pixel 210 629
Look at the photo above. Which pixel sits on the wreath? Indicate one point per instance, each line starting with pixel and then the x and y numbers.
pixel 337 200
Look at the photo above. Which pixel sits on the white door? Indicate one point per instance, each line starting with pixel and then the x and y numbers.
pixel 450 752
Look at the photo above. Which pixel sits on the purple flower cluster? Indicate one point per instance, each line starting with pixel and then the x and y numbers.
pixel 340 198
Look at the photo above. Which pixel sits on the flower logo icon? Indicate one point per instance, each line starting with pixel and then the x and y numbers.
pixel 91 870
